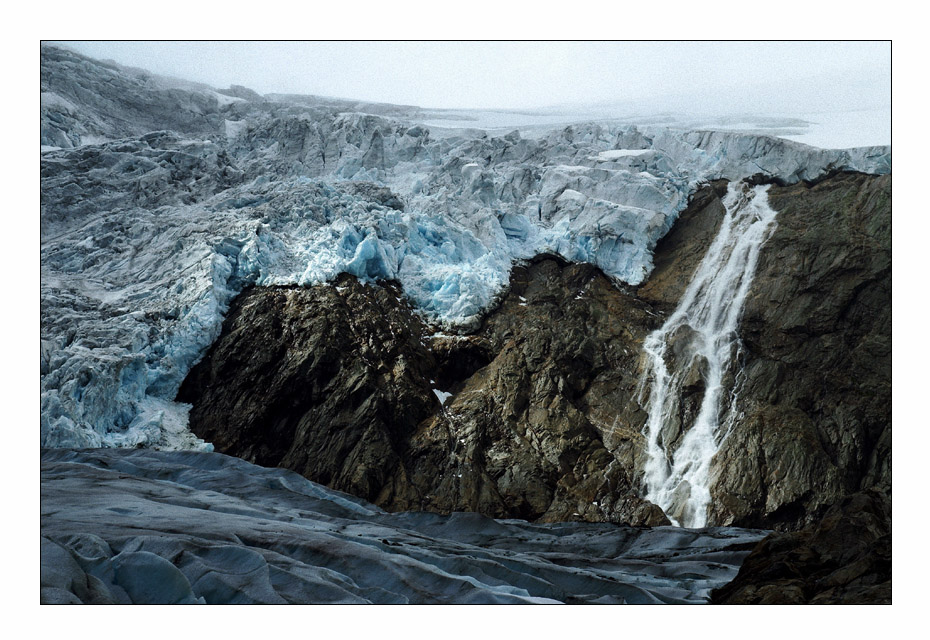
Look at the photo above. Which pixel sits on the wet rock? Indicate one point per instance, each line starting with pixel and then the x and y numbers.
pixel 814 370
pixel 679 253
pixel 816 385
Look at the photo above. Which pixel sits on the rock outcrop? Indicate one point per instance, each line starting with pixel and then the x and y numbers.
pixel 538 414
pixel 348 386
pixel 816 392
pixel 328 381
pixel 534 434
pixel 843 559
pixel 679 252
pixel 815 370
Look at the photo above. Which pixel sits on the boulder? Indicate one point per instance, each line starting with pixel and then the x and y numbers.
pixel 845 558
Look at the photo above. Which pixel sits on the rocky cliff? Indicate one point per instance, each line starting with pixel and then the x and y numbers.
pixel 814 376
pixel 538 414
pixel 816 396
pixel 347 385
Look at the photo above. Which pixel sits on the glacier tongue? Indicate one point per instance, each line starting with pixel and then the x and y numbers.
pixel 147 239
pixel 170 527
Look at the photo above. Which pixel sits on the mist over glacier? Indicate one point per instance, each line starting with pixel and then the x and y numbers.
pixel 147 236
pixel 827 94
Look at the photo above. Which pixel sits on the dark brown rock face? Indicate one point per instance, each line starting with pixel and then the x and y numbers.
pixel 337 383
pixel 543 420
pixel 327 381
pixel 815 371
pixel 816 397
pixel 530 435
pixel 680 252
pixel 843 559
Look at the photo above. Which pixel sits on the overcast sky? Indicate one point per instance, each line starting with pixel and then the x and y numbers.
pixel 709 76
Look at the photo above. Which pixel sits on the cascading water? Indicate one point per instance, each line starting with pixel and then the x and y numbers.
pixel 688 362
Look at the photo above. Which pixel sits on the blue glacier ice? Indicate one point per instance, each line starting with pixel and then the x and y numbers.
pixel 147 239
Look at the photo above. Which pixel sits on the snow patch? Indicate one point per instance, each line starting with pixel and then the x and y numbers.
pixel 613 154
pixel 235 128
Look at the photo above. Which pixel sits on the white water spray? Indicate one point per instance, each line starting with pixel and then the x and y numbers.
pixel 688 359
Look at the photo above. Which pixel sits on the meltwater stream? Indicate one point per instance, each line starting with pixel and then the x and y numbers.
pixel 690 385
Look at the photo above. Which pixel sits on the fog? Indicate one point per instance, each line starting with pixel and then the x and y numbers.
pixel 693 77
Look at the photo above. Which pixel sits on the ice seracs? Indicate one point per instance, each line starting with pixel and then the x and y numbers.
pixel 146 238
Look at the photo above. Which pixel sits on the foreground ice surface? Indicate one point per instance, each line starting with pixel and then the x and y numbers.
pixel 145 526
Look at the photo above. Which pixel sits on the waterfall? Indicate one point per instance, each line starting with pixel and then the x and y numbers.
pixel 688 362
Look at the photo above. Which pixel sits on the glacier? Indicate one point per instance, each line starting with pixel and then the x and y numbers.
pixel 147 236
pixel 159 527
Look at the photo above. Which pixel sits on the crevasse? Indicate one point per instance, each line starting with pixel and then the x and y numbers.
pixel 690 360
